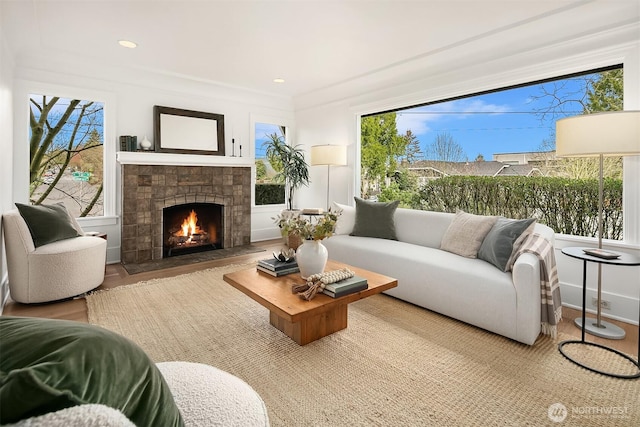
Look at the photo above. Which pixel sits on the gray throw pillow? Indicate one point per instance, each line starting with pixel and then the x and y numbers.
pixel 47 223
pixel 375 219
pixel 498 245
pixel 466 233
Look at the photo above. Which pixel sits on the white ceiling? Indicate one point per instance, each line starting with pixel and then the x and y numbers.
pixel 313 45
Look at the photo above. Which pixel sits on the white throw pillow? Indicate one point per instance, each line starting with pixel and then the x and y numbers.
pixel 466 233
pixel 347 220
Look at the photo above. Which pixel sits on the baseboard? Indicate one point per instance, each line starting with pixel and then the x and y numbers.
pixel 622 308
pixel 113 255
pixel 265 234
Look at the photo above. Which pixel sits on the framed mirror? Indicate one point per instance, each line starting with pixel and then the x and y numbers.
pixel 188 132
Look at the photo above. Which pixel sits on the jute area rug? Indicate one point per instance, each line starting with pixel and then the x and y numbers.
pixel 395 364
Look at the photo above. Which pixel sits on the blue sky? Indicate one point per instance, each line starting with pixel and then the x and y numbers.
pixel 57 111
pixel 262 130
pixel 499 122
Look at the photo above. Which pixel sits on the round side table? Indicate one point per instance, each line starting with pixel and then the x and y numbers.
pixel 624 260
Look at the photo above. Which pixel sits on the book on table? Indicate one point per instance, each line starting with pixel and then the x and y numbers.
pixel 276 265
pixel 346 287
pixel 279 272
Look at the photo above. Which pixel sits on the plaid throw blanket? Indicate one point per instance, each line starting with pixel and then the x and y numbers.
pixel 551 304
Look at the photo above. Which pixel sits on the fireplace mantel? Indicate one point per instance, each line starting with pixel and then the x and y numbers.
pixel 169 159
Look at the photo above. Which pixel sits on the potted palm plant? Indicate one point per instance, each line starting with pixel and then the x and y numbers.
pixel 289 163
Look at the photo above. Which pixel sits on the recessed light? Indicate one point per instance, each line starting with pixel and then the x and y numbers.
pixel 278 80
pixel 127 43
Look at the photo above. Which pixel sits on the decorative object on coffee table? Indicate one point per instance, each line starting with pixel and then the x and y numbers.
pixel 312 257
pixel 312 254
pixel 316 283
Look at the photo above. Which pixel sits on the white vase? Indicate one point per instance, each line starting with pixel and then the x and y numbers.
pixel 145 144
pixel 311 257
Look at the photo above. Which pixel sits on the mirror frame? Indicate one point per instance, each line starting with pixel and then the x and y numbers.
pixel 158 111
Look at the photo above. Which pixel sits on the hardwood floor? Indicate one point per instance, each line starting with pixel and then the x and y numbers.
pixel 116 275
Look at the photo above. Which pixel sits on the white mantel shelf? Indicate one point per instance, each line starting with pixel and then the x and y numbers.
pixel 169 159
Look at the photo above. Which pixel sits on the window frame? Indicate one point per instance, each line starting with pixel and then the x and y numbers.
pixel 21 151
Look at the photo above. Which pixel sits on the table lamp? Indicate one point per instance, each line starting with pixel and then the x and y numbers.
pixel 329 155
pixel 615 133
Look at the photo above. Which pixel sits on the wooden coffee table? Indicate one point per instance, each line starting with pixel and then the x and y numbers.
pixel 304 321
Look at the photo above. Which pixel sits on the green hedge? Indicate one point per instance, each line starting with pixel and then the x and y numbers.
pixel 568 206
pixel 269 194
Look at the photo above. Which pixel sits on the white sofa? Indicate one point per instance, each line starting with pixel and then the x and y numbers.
pixel 470 290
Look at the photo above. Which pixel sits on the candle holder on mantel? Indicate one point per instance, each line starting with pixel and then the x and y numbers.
pixel 233 147
pixel 240 151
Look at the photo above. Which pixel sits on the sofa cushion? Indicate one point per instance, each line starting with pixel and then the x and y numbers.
pixel 346 221
pixel 466 233
pixel 47 365
pixel 375 219
pixel 47 223
pixel 498 246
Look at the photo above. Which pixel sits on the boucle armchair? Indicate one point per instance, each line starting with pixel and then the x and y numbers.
pixel 53 271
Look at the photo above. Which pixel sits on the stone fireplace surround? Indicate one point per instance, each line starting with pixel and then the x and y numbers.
pixel 147 189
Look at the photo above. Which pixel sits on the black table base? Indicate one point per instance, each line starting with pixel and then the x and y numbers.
pixel 613 350
pixel 625 259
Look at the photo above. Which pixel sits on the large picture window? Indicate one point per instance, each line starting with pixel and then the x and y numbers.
pixel 66 153
pixel 493 153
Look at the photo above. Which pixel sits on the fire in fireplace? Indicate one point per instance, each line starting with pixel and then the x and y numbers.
pixel 192 227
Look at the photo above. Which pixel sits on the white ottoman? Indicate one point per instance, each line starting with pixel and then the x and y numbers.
pixel 207 396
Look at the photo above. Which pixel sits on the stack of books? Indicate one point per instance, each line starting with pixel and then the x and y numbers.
pixel 277 268
pixel 346 287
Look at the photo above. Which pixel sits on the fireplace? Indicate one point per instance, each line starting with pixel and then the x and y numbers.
pixel 192 227
pixel 150 189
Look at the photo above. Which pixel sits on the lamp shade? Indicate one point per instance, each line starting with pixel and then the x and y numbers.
pixel 615 133
pixel 335 155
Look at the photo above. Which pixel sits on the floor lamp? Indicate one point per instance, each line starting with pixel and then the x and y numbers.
pixel 614 133
pixel 329 155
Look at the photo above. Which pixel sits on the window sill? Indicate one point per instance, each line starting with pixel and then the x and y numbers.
pixel 97 221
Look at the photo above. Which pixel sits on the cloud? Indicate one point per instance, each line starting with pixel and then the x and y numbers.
pixel 421 120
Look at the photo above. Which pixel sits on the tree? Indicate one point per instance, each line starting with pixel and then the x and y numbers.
pixel 64 132
pixel 479 158
pixel 413 152
pixel 605 93
pixel 598 92
pixel 381 148
pixel 444 148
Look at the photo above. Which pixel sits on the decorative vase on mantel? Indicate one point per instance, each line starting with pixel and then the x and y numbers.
pixel 312 258
pixel 145 144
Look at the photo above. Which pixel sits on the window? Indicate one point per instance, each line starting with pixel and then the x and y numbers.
pixel 494 153
pixel 268 189
pixel 66 156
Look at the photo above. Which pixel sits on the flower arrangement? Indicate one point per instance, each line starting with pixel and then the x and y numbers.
pixel 317 227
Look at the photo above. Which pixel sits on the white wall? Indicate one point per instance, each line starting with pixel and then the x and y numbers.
pixel 329 124
pixel 6 148
pixel 322 121
pixel 134 93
